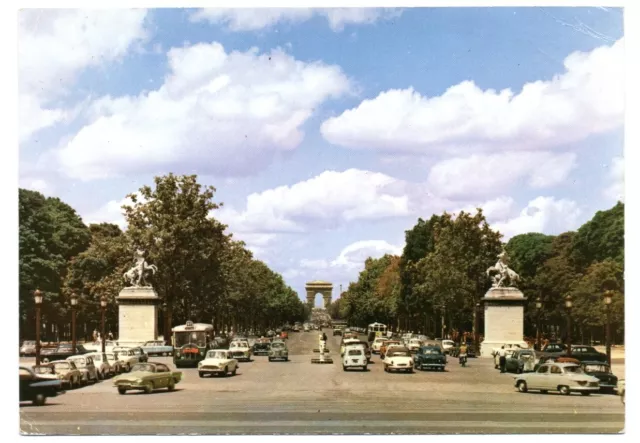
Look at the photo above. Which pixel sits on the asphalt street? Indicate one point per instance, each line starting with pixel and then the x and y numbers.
pixel 298 397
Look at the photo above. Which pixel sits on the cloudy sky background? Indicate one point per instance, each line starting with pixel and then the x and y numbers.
pixel 328 132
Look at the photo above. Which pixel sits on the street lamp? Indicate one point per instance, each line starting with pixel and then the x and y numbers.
pixel 37 296
pixel 74 302
pixel 103 306
pixel 538 310
pixel 608 296
pixel 568 304
pixel 477 328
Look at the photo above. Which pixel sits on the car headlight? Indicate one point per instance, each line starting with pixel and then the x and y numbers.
pixel 582 382
pixel 391 362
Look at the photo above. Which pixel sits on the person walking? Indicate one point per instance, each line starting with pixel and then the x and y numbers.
pixel 503 359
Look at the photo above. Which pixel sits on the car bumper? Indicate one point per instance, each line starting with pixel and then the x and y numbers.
pixel 584 388
pixel 430 365
pixel 130 386
pixel 398 367
pixel 275 357
pixel 211 371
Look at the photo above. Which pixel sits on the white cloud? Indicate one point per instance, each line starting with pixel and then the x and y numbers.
pixel 111 212
pixel 56 45
pixel 253 19
pixel 543 214
pixel 217 112
pixel 488 174
pixel 587 99
pixel 615 190
pixel 326 200
pixel 500 208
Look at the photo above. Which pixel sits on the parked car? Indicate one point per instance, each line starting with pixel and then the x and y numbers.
pixel 601 371
pixel 377 344
pixel 447 345
pixel 101 362
pixel 562 377
pixel 147 377
pixel 115 364
pixel 65 371
pixel 278 351
pixel 430 357
pixel 354 356
pixel 587 353
pixel 240 350
pixel 398 359
pixel 28 348
pixel 37 389
pixel 414 345
pixel 61 352
pixel 126 357
pixel 522 360
pixel 86 367
pixel 139 352
pixel 218 361
pixel 96 346
pixel 157 347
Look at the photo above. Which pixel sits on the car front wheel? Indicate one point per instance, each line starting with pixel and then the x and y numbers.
pixel 40 400
pixel 564 390
pixel 122 390
pixel 522 386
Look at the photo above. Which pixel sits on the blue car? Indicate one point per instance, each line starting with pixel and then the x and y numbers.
pixel 157 347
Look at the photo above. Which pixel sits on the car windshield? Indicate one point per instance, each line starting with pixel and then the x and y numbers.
pixel 431 351
pixel 43 370
pixel 277 345
pixel 355 352
pixel 182 338
pixel 597 368
pixel 142 368
pixel 63 365
pixel 394 353
pixel 217 354
pixel 573 370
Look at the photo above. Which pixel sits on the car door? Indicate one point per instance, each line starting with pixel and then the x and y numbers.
pixel 162 376
pixel 26 378
pixel 555 377
pixel 538 379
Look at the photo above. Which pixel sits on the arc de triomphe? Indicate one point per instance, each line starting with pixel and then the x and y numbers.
pixel 317 286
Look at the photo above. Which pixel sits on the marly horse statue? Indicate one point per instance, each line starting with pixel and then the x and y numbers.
pixel 136 276
pixel 503 272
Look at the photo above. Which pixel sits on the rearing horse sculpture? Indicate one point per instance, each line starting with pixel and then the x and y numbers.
pixel 136 276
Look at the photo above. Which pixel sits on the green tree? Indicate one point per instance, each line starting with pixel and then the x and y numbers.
pixel 600 238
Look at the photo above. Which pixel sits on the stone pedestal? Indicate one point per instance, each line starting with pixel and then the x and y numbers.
pixel 137 315
pixel 503 319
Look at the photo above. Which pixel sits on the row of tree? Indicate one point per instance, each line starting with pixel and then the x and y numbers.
pixel 204 274
pixel 437 283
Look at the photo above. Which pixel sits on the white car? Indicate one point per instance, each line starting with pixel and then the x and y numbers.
pixel 218 361
pixel 398 358
pixel 377 344
pixel 354 357
pixel 100 361
pixel 127 357
pixel 562 377
pixel 414 345
pixel 86 367
pixel 346 343
pixel 116 365
pixel 240 350
pixel 447 345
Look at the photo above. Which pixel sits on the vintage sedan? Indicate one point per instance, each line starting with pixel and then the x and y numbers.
pixel 218 361
pixel 157 347
pixel 101 362
pixel 377 344
pixel 523 360
pixel 61 352
pixel 115 364
pixel 65 371
pixel 127 357
pixel 86 367
pixel 278 351
pixel 562 377
pixel 386 344
pixel 240 350
pixel 28 348
pixel 587 353
pixel 414 344
pixel 398 358
pixel 430 357
pixel 262 347
pixel 147 377
pixel 354 356
pixel 601 371
pixel 37 389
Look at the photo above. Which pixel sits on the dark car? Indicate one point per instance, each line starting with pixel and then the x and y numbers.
pixel 61 352
pixel 36 389
pixel 601 371
pixel 587 353
pixel 261 347
pixel 430 357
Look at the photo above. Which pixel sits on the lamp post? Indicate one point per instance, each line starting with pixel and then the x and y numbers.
pixel 538 310
pixel 74 302
pixel 37 297
pixel 608 296
pixel 476 338
pixel 568 304
pixel 103 307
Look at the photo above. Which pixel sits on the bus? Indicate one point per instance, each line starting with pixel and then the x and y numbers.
pixel 190 343
pixel 376 330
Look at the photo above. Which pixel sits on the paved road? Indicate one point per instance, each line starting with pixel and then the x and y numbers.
pixel 298 397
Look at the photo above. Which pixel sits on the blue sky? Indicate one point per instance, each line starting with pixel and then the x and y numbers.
pixel 327 133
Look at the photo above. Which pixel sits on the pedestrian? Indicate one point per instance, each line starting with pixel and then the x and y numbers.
pixel 503 359
pixel 324 337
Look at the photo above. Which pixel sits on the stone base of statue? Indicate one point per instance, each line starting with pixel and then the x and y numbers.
pixel 137 315
pixel 503 319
